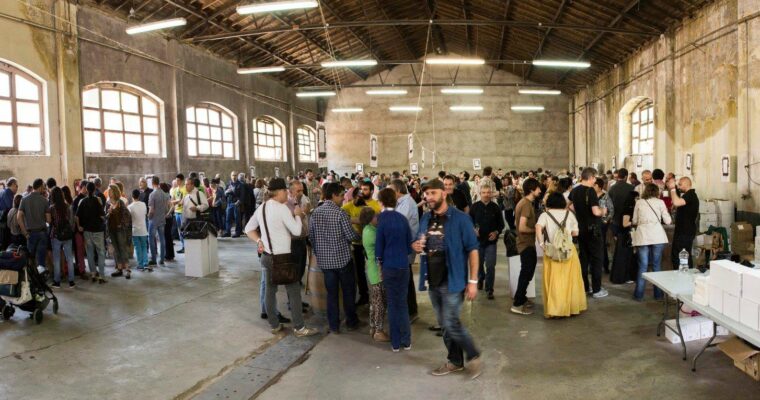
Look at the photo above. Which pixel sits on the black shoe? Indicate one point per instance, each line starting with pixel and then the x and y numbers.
pixel 71 284
pixel 480 285
pixel 281 319
pixel 181 251
pixel 236 236
pixel 264 315
pixel 161 263
pixel 490 296
pixel 57 285
pixel 434 328
pixel 151 263
pixel 129 275
pixel 116 274
pixel 226 235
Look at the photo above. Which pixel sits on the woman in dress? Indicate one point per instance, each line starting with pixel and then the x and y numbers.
pixel 649 238
pixel 564 294
pixel 119 231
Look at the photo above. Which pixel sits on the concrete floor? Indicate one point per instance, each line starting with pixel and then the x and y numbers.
pixel 164 336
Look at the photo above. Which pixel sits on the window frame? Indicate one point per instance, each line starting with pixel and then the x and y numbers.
pixel 141 94
pixel 311 137
pixel 640 118
pixel 255 138
pixel 12 70
pixel 222 111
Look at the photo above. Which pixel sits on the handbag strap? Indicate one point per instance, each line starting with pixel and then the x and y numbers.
pixel 659 217
pixel 266 227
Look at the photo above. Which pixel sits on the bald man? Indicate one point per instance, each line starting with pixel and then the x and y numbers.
pixel 686 202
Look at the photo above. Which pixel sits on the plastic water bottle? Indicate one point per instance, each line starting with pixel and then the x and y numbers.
pixel 683 261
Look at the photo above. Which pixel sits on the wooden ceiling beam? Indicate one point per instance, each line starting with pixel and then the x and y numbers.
pixel 542 43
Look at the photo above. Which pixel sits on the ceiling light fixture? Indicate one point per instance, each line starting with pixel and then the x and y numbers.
pixel 349 63
pixel 561 64
pixel 154 26
pixel 457 90
pixel 347 110
pixel 259 70
pixel 454 61
pixel 405 108
pixel 275 6
pixel 541 92
pixel 466 108
pixel 527 108
pixel 315 94
pixel 386 92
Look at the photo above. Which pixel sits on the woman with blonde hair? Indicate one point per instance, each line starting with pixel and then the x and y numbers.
pixel 119 223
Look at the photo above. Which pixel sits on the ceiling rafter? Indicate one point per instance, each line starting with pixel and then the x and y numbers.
pixel 397 29
pixel 545 36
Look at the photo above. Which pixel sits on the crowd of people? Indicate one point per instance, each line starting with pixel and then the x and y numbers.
pixel 367 230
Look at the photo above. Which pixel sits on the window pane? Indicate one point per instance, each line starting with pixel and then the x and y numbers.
pixel 129 102
pixel 269 141
pixel 190 114
pixel 261 127
pixel 26 89
pixel 90 98
pixel 202 115
pixel 278 154
pixel 149 107
pixel 203 132
pixel 91 119
pixel 227 135
pixel 151 145
pixel 204 147
pixel 651 114
pixel 216 148
pixel 216 133
pixel 635 147
pixel 6 114
pixel 6 136
pixel 114 141
pixel 29 139
pixel 635 130
pixel 228 150
pixel 112 121
pixel 92 141
pixel 111 100
pixel 150 125
pixel 213 117
pixel 192 150
pixel 133 142
pixel 131 123
pixel 269 129
pixel 27 113
pixel 191 130
pixel 266 153
pixel 226 121
pixel 651 130
pixel 5 84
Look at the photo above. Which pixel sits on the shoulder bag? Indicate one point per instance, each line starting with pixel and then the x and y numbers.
pixel 284 271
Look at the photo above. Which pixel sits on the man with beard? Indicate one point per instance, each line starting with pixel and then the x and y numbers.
pixel 354 209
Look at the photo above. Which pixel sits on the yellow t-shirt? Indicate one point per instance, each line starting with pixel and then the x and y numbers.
pixel 354 212
pixel 178 194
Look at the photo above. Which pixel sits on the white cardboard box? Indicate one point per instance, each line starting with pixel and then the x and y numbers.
pixel 705 327
pixel 749 313
pixel 751 284
pixel 727 275
pixel 514 276
pixel 731 306
pixel 707 207
pixel 722 331
pixel 689 328
pixel 201 257
pixel 715 295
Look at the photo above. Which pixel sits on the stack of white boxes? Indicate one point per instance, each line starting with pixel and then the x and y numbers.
pixel 757 244
pixel 724 209
pixel 708 215
pixel 749 306
pixel 700 295
pixel 734 291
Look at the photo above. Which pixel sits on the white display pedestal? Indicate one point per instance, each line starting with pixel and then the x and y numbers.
pixel 201 257
pixel 514 277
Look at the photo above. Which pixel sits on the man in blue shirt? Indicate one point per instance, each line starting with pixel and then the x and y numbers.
pixel 446 235
pixel 6 204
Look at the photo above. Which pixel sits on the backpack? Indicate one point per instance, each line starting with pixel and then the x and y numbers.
pixel 63 230
pixel 560 248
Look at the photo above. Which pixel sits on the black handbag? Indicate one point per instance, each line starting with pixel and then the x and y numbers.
pixel 283 271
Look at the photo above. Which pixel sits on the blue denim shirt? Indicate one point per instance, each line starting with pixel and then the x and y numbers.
pixel 460 240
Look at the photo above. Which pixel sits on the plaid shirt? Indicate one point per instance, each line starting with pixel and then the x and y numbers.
pixel 331 235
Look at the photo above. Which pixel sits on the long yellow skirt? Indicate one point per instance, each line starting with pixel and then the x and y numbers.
pixel 564 294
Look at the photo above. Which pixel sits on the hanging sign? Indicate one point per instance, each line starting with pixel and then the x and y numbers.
pixel 322 140
pixel 359 167
pixel 688 162
pixel 410 145
pixel 414 168
pixel 476 164
pixel 373 151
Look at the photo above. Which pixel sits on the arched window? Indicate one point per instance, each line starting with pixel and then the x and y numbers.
pixel 121 119
pixel 307 144
pixel 642 129
pixel 22 111
pixel 268 139
pixel 210 131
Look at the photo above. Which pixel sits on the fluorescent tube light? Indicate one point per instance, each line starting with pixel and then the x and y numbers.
pixel 315 94
pixel 542 92
pixel 456 90
pixel 466 108
pixel 386 92
pixel 454 61
pixel 347 110
pixel 349 63
pixel 527 108
pixel 275 6
pixel 562 64
pixel 259 70
pixel 405 108
pixel 154 26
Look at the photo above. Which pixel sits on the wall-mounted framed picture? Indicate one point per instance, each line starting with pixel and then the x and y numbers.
pixel 476 164
pixel 414 169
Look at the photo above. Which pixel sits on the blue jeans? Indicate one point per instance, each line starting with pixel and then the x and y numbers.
pixel 38 246
pixel 94 242
pixel 178 222
pixel 155 230
pixel 233 217
pixel 336 279
pixel 67 252
pixel 487 267
pixel 217 215
pixel 447 307
pixel 141 250
pixel 396 282
pixel 652 252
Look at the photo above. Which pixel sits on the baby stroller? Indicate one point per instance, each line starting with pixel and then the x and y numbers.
pixel 30 291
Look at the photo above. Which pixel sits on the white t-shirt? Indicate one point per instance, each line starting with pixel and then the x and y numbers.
pixel 282 225
pixel 571 225
pixel 139 211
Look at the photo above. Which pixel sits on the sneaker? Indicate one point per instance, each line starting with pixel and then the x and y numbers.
pixel 381 337
pixel 95 277
pixel 129 275
pixel 434 328
pixel 57 285
pixel 101 280
pixel 277 329
pixel 181 251
pixel 151 263
pixel 395 350
pixel 264 315
pixel 150 269
pixel 491 296
pixel 117 274
pixel 281 319
pixel 161 263
pixel 72 284
pixel 407 347
pixel 601 293
pixel 530 303
pixel 475 367
pixel 445 369
pixel 303 332
pixel 523 310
